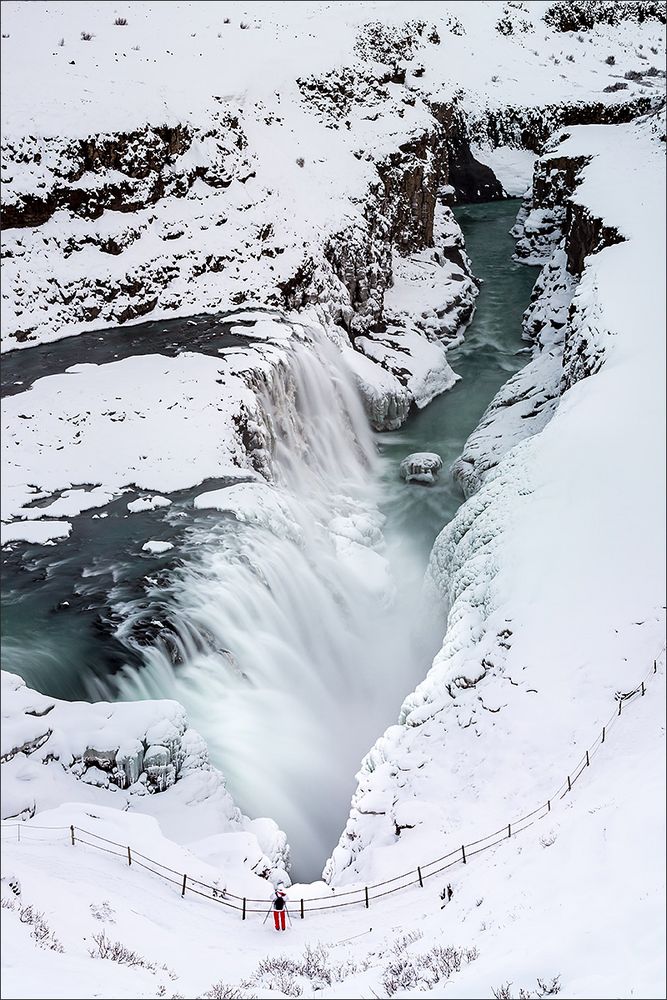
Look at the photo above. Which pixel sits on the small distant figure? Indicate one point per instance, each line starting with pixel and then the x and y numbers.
pixel 446 895
pixel 279 908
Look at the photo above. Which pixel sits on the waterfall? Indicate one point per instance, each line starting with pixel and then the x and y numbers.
pixel 293 646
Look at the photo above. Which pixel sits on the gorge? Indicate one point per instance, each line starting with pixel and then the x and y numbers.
pixel 231 311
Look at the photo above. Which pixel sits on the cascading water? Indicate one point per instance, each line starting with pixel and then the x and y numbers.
pixel 293 645
pixel 291 636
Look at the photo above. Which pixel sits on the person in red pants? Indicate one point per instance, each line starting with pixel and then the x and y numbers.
pixel 279 909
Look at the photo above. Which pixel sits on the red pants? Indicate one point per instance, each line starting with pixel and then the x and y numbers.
pixel 279 919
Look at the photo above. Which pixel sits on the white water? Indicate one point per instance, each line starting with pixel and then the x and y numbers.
pixel 298 638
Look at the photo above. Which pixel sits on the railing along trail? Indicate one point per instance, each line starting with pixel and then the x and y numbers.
pixel 352 897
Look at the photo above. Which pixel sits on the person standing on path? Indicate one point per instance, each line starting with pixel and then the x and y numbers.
pixel 279 908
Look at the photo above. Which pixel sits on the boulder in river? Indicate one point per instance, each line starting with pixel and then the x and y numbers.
pixel 421 467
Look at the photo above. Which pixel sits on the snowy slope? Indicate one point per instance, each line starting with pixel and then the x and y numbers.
pixel 555 602
pixel 262 147
pixel 578 897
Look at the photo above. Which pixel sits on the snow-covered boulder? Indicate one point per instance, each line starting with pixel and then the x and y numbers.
pixel 421 467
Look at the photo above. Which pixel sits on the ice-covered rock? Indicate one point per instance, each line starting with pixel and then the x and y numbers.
pixel 147 503
pixel 156 548
pixel 134 756
pixel 421 467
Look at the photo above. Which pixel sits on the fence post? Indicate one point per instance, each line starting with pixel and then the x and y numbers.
pixel 366 891
pixel 603 732
pixel 183 889
pixel 620 705
pixel 655 666
pixel 463 852
pixel 588 761
pixel 643 689
pixel 548 805
pixel 569 784
pixel 419 873
pixel 243 917
pixel 129 855
pixel 509 829
pixel 18 832
pixel 71 830
pixel 302 909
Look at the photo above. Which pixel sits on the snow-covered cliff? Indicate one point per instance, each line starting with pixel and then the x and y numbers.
pixel 555 589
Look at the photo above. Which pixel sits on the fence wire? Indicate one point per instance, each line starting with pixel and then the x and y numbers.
pixel 364 894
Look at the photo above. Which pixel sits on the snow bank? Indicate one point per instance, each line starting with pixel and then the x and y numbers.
pixel 553 606
pixel 137 756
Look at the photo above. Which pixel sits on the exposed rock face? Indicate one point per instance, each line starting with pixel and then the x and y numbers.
pixel 122 172
pixel 529 128
pixel 472 181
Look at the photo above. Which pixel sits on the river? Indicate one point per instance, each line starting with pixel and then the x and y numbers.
pixel 290 651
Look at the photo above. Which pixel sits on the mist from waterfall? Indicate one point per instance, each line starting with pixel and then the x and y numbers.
pixel 299 631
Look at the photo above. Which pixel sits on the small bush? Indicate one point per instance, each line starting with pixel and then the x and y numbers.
pixel 61 42
pixel 315 965
pixel 400 944
pixel 653 71
pixel 39 929
pixel 300 161
pixel 632 74
pixel 86 36
pixel 244 25
pixel 543 988
pixel 503 992
pixel 610 60
pixel 121 22
pixel 223 991
pixel 613 87
pixel 570 58
pixel 580 15
pixel 550 989
pixel 116 951
pixel 406 971
pixel 279 973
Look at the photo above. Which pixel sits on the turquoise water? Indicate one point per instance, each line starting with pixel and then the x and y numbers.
pixel 491 352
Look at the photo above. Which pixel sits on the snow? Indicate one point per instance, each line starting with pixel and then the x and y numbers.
pixel 148 421
pixel 148 503
pixel 552 572
pixel 421 467
pixel 136 756
pixel 555 603
pixel 35 532
pixel 156 548
pixel 548 903
pixel 239 217
pixel 512 167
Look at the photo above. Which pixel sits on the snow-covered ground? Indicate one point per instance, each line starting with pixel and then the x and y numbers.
pixel 578 897
pixel 247 157
pixel 291 194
